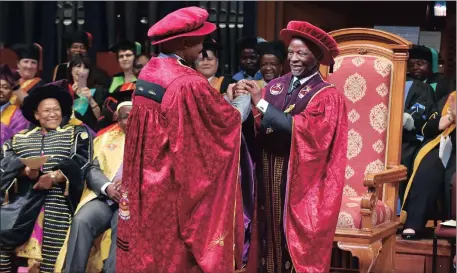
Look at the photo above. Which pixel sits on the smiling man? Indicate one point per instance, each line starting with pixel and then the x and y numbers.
pixel 303 142
pixel 125 52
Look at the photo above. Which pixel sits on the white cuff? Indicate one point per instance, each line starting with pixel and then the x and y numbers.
pixel 408 122
pixel 103 189
pixel 262 106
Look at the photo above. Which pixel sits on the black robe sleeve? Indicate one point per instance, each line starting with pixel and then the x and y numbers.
pixel 60 72
pixel 10 167
pixel 444 86
pixel 100 95
pixel 75 168
pixel 225 83
pixel 420 104
pixel 276 120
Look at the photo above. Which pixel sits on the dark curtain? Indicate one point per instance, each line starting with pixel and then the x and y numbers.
pixel 35 22
pixel 96 24
pixel 47 38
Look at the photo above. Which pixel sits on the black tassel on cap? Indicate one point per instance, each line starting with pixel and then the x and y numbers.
pixel 330 71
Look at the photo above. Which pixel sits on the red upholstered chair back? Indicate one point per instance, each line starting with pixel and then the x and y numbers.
pixel 365 81
pixel 107 61
pixel 370 71
pixel 9 57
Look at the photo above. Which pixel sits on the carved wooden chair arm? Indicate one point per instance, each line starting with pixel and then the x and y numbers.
pixel 393 174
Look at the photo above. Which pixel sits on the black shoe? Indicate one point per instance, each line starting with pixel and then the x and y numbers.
pixel 410 236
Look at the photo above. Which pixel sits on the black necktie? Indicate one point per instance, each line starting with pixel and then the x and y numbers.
pixel 295 85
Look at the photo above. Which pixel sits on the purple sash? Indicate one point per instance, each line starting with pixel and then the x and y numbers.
pixel 276 92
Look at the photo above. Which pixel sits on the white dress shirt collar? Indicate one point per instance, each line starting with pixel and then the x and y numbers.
pixel 304 80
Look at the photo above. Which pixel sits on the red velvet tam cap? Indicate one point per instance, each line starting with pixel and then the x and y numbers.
pixel 185 22
pixel 313 34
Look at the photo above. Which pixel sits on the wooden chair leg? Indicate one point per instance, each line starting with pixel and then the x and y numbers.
pixel 451 259
pixel 367 253
pixel 386 260
pixel 435 253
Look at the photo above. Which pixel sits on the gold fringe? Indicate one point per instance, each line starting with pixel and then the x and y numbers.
pixel 7 194
pixel 67 188
pixel 7 198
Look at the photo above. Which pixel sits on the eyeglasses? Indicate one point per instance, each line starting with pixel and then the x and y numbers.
pixel 128 55
pixel 122 117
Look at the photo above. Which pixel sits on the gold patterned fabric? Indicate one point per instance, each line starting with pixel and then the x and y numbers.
pixel 5 259
pixel 67 147
pixel 109 151
pixel 366 83
pixel 57 216
pixel 277 258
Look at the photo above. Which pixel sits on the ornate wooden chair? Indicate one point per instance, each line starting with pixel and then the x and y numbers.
pixel 370 71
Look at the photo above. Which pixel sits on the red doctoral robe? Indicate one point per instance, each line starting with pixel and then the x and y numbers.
pixel 302 174
pixel 181 176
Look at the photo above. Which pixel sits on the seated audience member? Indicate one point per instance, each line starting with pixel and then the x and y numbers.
pixel 423 65
pixel 109 114
pixel 248 60
pixel 101 213
pixel 208 63
pixel 88 99
pixel 139 63
pixel 432 171
pixel 11 119
pixel 29 58
pixel 78 43
pixel 419 104
pixel 75 118
pixel 125 53
pixel 271 57
pixel 39 199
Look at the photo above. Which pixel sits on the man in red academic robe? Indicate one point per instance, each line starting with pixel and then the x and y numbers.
pixel 181 208
pixel 303 141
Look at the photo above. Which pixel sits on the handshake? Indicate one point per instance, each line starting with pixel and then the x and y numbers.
pixel 244 87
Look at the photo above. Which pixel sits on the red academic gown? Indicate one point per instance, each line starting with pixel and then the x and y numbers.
pixel 181 167
pixel 303 157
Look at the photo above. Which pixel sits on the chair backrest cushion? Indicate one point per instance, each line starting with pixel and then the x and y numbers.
pixel 366 84
pixel 107 61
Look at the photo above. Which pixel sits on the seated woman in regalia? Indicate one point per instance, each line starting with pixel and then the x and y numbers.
pixel 42 175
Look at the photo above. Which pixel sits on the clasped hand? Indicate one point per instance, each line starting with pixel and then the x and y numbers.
pixel 45 182
pixel 245 87
pixel 113 191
